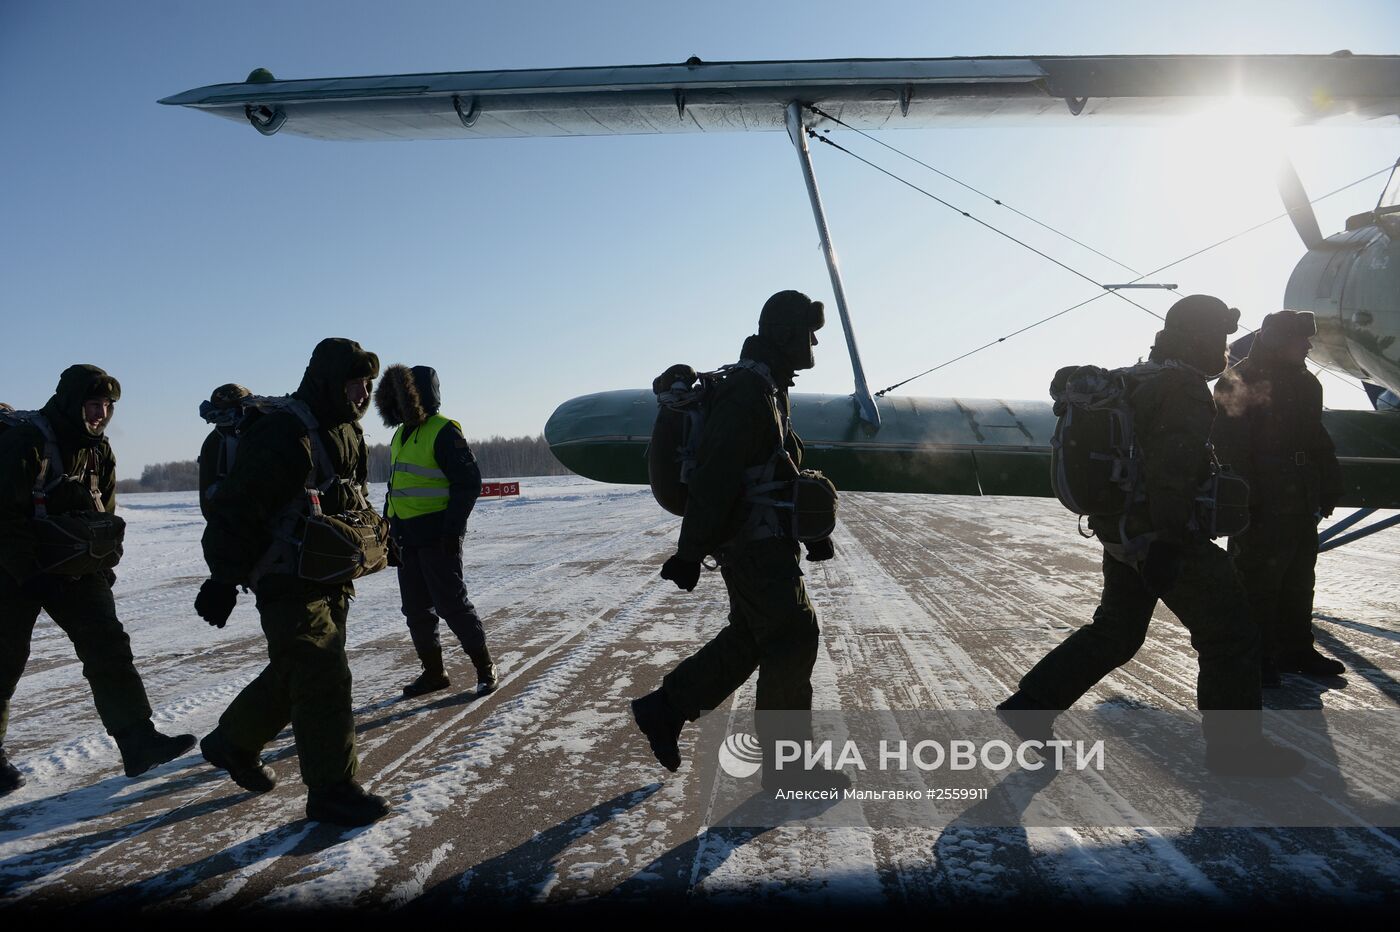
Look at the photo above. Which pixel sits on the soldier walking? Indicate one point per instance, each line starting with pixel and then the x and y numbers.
pixel 294 466
pixel 1172 414
pixel 772 627
pixel 1270 431
pixel 57 471
pixel 434 481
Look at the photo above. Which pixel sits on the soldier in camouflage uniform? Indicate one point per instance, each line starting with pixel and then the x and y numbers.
pixel 78 413
pixel 1172 416
pixel 307 679
pixel 772 627
pixel 1270 431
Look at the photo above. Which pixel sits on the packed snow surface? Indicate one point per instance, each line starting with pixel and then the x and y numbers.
pixel 543 791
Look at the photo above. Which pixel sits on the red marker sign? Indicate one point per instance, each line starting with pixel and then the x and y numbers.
pixel 499 489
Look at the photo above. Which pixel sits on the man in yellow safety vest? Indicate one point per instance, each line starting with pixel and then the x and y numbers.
pixel 433 483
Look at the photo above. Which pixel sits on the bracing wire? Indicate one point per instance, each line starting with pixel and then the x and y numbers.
pixel 1103 293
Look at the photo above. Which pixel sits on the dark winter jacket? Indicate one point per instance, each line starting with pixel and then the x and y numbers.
pixel 82 451
pixel 1270 431
pixel 1172 417
pixel 744 425
pixel 275 463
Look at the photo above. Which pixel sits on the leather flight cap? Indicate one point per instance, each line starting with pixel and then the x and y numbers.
pixel 1289 324
pixel 792 309
pixel 1202 314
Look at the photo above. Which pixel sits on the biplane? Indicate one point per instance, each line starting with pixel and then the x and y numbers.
pixel 1350 281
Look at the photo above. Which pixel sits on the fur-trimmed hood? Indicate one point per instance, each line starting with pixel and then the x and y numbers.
pixel 407 396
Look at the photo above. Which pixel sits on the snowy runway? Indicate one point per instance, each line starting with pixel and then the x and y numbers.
pixel 543 792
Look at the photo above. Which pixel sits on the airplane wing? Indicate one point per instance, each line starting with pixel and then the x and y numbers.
pixel 748 96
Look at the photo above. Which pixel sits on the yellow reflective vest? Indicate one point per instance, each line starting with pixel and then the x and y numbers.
pixel 416 485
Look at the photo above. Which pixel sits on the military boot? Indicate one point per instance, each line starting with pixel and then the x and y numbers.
pixel 428 681
pixel 1031 720
pixel 662 725
pixel 142 747
pixel 10 777
pixel 485 670
pixel 433 676
pixel 245 768
pixel 345 803
pixel 1258 757
pixel 1311 663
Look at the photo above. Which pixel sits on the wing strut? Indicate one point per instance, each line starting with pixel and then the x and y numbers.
pixel 869 411
pixel 1333 536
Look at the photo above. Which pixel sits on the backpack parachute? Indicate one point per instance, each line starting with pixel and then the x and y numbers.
pixel 1094 464
pixel 675 435
pixel 800 505
pixel 1095 461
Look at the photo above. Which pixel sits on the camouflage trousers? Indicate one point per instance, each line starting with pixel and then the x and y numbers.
pixel 84 609
pixel 772 629
pixel 1276 559
pixel 1207 598
pixel 306 681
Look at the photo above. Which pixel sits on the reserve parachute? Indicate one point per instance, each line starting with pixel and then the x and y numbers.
pixel 307 542
pixel 79 542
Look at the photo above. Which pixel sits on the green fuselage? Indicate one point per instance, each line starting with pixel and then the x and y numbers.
pixel 950 446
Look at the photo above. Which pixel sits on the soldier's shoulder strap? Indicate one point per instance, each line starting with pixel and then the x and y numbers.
pixel 323 473
pixel 48 475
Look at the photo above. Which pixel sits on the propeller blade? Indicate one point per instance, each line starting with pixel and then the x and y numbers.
pixel 1295 198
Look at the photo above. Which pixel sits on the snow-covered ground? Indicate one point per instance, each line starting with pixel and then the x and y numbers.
pixel 544 792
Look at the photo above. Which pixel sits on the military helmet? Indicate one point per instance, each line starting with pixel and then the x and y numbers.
pixel 1202 315
pixel 229 395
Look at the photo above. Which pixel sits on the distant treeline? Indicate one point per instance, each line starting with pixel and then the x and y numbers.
pixel 499 457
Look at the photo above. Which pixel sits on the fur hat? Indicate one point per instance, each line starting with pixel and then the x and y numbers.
pixel 397 398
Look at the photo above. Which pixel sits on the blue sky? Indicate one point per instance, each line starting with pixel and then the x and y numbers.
pixel 180 252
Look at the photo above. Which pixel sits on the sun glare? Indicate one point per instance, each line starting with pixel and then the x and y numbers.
pixel 1226 145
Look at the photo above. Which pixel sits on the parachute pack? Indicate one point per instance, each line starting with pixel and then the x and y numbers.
pixel 76 543
pixel 307 542
pixel 784 501
pixel 1096 463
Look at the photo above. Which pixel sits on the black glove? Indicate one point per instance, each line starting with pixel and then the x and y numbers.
pixel 215 602
pixel 1162 567
pixel 392 553
pixel 452 546
pixel 819 550
pixel 684 573
pixel 110 576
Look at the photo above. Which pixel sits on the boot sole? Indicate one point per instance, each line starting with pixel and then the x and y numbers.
pixel 316 814
pixel 414 694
